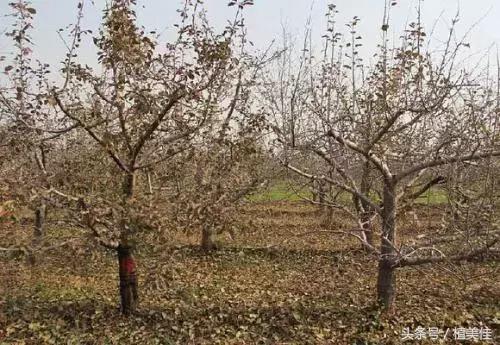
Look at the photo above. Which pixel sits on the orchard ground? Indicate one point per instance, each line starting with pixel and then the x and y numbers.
pixel 284 279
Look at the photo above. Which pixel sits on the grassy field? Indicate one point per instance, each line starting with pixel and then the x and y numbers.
pixel 433 196
pixel 276 283
pixel 281 191
pixel 284 191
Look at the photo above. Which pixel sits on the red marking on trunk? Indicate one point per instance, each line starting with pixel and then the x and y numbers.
pixel 127 265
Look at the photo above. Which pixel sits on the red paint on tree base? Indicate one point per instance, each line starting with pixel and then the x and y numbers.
pixel 128 280
pixel 127 265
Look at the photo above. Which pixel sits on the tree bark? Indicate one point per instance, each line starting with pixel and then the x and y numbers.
pixel 38 231
pixel 39 226
pixel 367 212
pixel 386 282
pixel 129 185
pixel 366 218
pixel 208 239
pixel 126 262
pixel 128 279
pixel 314 190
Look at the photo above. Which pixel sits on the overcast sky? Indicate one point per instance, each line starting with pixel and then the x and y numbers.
pixel 265 20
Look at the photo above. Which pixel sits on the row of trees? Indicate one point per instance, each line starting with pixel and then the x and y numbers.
pixel 174 137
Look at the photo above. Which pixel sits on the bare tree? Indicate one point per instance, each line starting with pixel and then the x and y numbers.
pixel 141 110
pixel 387 132
pixel 227 162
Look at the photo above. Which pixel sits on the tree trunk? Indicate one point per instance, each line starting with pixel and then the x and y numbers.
pixel 386 282
pixel 39 226
pixel 41 210
pixel 367 212
pixel 128 279
pixel 321 195
pixel 129 185
pixel 150 195
pixel 126 262
pixel 38 232
pixel 314 190
pixel 208 239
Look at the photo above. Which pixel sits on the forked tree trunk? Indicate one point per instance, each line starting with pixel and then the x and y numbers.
pixel 208 239
pixel 386 282
pixel 128 279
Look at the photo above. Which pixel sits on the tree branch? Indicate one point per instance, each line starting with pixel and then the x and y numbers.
pixel 379 164
pixel 414 261
pixel 94 136
pixel 174 98
pixel 444 161
pixel 340 185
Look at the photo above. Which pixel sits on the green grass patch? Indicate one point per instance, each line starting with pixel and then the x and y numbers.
pixel 285 191
pixel 281 191
pixel 434 196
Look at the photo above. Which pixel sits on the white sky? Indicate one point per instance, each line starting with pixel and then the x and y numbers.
pixel 264 20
